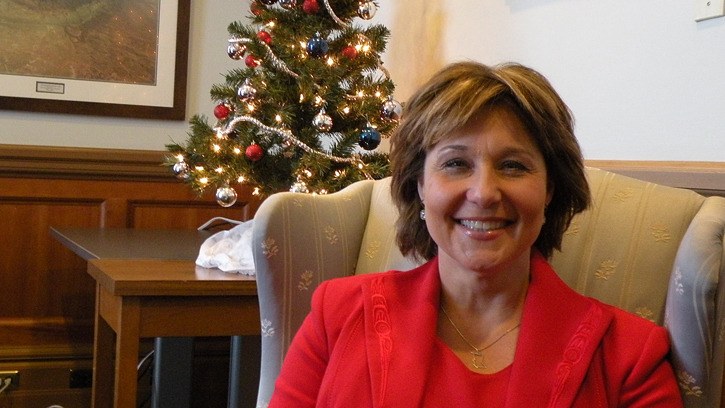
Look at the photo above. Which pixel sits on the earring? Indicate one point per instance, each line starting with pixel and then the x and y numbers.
pixel 422 214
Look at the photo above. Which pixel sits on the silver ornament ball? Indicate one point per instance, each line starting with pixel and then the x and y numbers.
pixel 236 50
pixel 367 10
pixel 246 92
pixel 299 187
pixel 322 121
pixel 288 4
pixel 392 110
pixel 226 196
pixel 181 170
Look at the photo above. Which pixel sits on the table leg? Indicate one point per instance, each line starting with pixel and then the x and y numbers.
pixel 235 372
pixel 127 350
pixel 102 361
pixel 173 360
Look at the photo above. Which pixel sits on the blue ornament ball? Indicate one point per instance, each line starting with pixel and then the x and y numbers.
pixel 369 138
pixel 317 46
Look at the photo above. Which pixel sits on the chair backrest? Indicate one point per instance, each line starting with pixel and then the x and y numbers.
pixel 622 251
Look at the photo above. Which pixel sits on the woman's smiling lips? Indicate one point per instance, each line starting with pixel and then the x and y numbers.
pixel 483 225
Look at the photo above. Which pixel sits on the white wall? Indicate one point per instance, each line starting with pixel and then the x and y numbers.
pixel 644 80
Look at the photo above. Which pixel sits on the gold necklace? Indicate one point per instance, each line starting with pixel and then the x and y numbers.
pixel 477 353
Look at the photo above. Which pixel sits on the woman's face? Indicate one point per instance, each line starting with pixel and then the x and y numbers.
pixel 484 189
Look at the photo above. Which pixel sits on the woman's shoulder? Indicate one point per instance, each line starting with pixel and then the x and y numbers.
pixel 626 320
pixel 629 333
pixel 354 283
pixel 358 289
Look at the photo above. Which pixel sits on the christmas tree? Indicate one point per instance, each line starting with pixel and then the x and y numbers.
pixel 306 109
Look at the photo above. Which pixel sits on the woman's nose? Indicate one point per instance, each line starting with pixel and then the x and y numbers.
pixel 484 188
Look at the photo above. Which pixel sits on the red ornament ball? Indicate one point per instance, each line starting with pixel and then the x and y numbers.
pixel 349 52
pixel 310 6
pixel 254 152
pixel 256 8
pixel 222 111
pixel 251 61
pixel 265 37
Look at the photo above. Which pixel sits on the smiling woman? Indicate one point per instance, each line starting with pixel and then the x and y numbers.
pixel 486 177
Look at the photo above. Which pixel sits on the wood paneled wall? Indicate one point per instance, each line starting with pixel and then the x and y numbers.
pixel 46 296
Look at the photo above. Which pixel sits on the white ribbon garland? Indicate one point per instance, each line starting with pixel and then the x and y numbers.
pixel 287 135
pixel 334 16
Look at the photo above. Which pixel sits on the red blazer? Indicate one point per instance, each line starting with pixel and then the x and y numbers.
pixel 368 339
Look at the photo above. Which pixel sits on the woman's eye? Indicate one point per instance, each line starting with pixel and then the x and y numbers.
pixel 512 165
pixel 454 163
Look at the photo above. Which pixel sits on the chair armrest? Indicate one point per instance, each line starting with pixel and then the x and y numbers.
pixel 695 307
pixel 298 241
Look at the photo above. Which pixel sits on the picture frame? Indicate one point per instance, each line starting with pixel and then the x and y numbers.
pixel 129 62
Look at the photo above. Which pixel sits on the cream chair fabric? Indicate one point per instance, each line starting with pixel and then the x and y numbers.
pixel 621 251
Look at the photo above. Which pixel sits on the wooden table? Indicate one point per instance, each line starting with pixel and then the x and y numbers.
pixel 158 298
pixel 138 298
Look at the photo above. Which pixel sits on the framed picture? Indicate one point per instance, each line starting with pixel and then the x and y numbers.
pixel 95 57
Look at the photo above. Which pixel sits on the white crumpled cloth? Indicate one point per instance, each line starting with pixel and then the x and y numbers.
pixel 230 250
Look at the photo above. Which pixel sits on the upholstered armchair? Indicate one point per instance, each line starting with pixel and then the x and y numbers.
pixel 653 250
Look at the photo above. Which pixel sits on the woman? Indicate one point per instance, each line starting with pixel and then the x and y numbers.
pixel 487 175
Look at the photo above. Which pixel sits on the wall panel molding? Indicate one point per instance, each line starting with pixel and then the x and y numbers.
pixel 84 163
pixel 704 177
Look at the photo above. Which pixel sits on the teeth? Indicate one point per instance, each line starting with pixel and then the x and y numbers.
pixel 483 225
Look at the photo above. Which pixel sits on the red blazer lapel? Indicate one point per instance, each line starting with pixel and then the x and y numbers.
pixel 560 332
pixel 398 337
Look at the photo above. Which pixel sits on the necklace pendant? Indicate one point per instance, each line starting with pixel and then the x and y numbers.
pixel 477 360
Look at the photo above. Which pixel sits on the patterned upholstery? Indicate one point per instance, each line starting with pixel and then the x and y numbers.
pixel 653 250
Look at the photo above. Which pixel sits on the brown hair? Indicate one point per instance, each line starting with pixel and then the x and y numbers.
pixel 447 102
